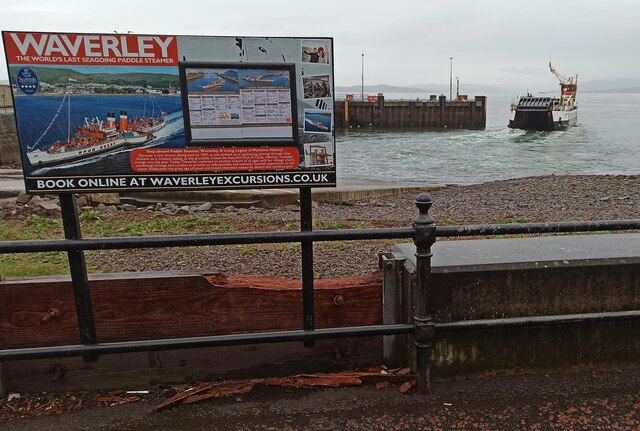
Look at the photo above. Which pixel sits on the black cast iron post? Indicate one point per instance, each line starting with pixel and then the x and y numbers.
pixel 306 225
pixel 423 319
pixel 78 270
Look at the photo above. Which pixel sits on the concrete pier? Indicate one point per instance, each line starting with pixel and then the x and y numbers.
pixel 438 112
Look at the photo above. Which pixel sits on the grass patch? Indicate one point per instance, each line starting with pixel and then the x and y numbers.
pixel 35 227
pixel 446 222
pixel 267 224
pixel 518 220
pixel 157 225
pixel 333 224
pixel 33 264
pixel 286 245
pixel 249 251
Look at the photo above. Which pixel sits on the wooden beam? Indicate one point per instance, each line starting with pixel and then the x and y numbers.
pixel 137 306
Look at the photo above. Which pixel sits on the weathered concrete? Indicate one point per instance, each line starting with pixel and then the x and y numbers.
pixel 491 279
pixel 269 198
pixel 11 182
pixel 9 147
pixel 6 101
pixel 437 113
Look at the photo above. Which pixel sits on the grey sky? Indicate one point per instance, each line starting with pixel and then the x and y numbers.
pixel 506 43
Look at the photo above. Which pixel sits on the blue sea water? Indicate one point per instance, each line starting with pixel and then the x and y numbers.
pixel 44 118
pixel 197 85
pixel 605 141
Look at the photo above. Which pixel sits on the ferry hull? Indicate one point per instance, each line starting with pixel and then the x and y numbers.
pixel 542 121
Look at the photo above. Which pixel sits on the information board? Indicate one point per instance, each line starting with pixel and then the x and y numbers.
pixel 110 112
pixel 243 104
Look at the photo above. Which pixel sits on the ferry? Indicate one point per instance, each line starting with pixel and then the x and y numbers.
pixel 259 79
pixel 547 113
pixel 214 84
pixel 317 124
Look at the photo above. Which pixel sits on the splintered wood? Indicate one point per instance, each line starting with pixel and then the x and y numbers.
pixel 331 380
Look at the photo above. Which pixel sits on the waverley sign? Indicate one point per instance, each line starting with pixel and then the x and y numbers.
pixel 91 49
pixel 105 112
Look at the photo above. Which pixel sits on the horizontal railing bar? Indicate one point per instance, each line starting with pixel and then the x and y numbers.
pixel 202 240
pixel 289 336
pixel 209 341
pixel 523 228
pixel 516 322
pixel 326 235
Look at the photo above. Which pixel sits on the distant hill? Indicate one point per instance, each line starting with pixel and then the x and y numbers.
pixel 64 76
pixel 617 90
pixel 610 86
pixel 380 88
pixel 471 89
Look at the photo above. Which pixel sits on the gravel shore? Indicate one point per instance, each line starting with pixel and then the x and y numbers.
pixel 532 199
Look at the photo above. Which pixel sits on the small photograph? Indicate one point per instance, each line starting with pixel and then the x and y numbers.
pixel 315 51
pixel 264 78
pixel 89 118
pixel 212 81
pixel 316 121
pixel 316 87
pixel 318 154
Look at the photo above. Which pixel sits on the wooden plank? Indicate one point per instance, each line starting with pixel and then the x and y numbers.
pixel 138 306
pixel 139 370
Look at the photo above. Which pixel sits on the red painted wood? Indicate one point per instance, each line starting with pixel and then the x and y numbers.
pixel 138 306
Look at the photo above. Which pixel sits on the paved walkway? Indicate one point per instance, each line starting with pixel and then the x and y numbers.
pixel 11 182
pixel 599 400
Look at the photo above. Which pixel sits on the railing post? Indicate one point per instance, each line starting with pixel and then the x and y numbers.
pixel 79 277
pixel 308 294
pixel 424 323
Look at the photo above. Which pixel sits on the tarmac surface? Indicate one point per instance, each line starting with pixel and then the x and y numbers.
pixel 578 400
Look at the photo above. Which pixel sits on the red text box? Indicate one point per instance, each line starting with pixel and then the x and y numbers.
pixel 240 159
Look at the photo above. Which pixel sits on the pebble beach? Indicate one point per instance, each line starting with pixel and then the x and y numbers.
pixel 532 199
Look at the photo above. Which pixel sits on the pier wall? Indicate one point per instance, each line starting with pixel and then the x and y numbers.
pixel 6 101
pixel 437 113
pixel 9 147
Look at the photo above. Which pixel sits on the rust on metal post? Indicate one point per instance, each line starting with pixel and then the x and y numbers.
pixel 424 323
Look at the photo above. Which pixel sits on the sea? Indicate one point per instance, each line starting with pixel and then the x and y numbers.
pixel 605 141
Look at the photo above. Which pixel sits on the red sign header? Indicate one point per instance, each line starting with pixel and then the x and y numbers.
pixel 91 49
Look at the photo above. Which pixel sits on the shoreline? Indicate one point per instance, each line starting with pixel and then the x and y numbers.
pixel 523 200
pixel 11 180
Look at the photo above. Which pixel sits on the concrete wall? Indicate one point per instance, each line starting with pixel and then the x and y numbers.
pixel 9 147
pixel 439 113
pixel 494 279
pixel 5 97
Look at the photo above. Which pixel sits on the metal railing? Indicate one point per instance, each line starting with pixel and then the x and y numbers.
pixel 423 232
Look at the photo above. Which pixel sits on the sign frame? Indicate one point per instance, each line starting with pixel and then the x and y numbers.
pixel 192 142
pixel 143 50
